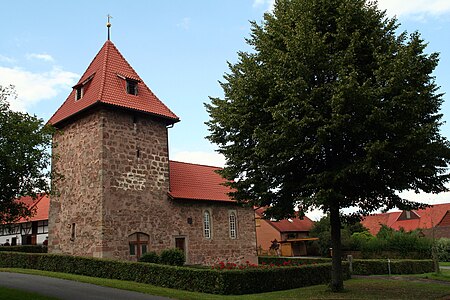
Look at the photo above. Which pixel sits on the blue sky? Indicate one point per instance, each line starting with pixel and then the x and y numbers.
pixel 179 48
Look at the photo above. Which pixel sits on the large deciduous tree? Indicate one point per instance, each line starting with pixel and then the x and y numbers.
pixel 24 158
pixel 332 109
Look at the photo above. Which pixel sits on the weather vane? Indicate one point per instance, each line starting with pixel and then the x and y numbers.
pixel 108 24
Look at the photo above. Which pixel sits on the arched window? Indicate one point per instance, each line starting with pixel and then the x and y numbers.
pixel 233 224
pixel 207 224
pixel 138 243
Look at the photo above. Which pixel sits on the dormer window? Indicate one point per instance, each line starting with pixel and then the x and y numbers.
pixel 79 93
pixel 132 87
pixel 80 88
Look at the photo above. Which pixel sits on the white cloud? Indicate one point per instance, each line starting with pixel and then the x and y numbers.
pixel 7 59
pixel 200 157
pixel 35 87
pixel 270 4
pixel 415 8
pixel 41 56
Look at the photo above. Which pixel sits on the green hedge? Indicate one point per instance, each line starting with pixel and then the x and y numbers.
pixel 25 248
pixel 276 260
pixel 380 266
pixel 184 278
pixel 365 266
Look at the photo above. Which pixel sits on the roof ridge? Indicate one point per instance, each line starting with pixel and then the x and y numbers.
pixel 145 85
pixel 105 65
pixel 194 164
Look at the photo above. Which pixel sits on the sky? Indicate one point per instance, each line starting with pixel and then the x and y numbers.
pixel 179 48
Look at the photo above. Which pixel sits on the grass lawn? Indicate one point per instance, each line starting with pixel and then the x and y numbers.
pixel 447 263
pixel 12 294
pixel 443 276
pixel 364 288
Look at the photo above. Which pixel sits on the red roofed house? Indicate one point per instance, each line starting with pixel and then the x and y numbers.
pixel 437 216
pixel 119 196
pixel 28 231
pixel 291 234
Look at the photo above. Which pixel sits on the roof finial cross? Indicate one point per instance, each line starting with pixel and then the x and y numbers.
pixel 108 24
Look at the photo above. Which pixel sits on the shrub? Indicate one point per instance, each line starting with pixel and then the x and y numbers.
pixel 172 257
pixel 253 280
pixel 381 266
pixel 150 257
pixel 443 249
pixel 25 248
pixel 278 261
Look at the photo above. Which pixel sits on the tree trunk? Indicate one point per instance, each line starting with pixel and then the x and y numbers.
pixel 337 283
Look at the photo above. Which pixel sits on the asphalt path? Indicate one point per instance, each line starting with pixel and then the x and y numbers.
pixel 68 289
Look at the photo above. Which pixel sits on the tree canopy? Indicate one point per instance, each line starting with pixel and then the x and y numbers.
pixel 24 158
pixel 331 109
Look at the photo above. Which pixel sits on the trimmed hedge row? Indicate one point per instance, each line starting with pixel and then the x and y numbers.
pixel 381 266
pixel 366 266
pixel 279 260
pixel 25 248
pixel 252 280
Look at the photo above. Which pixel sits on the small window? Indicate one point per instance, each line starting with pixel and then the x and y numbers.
pixel 408 214
pixel 132 88
pixel 207 224
pixel 26 228
pixel 138 244
pixel 233 230
pixel 72 235
pixel 79 93
pixel 42 226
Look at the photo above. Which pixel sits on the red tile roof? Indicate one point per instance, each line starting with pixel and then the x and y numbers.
pixel 39 206
pixel 289 225
pixel 197 182
pixel 428 217
pixel 187 182
pixel 104 82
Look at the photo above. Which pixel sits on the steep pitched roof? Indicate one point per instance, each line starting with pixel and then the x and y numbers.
pixel 39 207
pixel 104 81
pixel 428 217
pixel 197 182
pixel 289 225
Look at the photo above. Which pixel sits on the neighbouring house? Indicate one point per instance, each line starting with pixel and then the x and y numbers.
pixel 28 231
pixel 434 219
pixel 290 234
pixel 119 195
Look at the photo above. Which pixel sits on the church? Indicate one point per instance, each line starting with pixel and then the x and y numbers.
pixel 117 194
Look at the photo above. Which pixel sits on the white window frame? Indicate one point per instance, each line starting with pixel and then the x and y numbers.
pixel 232 224
pixel 207 224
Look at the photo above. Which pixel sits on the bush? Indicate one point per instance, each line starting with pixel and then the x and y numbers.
pixel 25 248
pixel 381 266
pixel 172 257
pixel 150 257
pixel 276 260
pixel 443 249
pixel 183 278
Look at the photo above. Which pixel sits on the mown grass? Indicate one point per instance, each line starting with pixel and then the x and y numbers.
pixel 13 294
pixel 443 276
pixel 361 288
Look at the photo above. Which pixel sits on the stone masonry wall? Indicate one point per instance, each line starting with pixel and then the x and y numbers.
pixel 77 158
pixel 116 183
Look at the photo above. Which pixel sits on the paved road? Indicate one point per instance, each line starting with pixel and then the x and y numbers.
pixel 67 289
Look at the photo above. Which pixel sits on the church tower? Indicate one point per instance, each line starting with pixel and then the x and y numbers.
pixel 118 195
pixel 112 154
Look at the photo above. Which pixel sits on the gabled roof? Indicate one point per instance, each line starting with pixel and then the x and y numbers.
pixel 104 81
pixel 289 225
pixel 187 182
pixel 39 207
pixel 428 217
pixel 197 182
